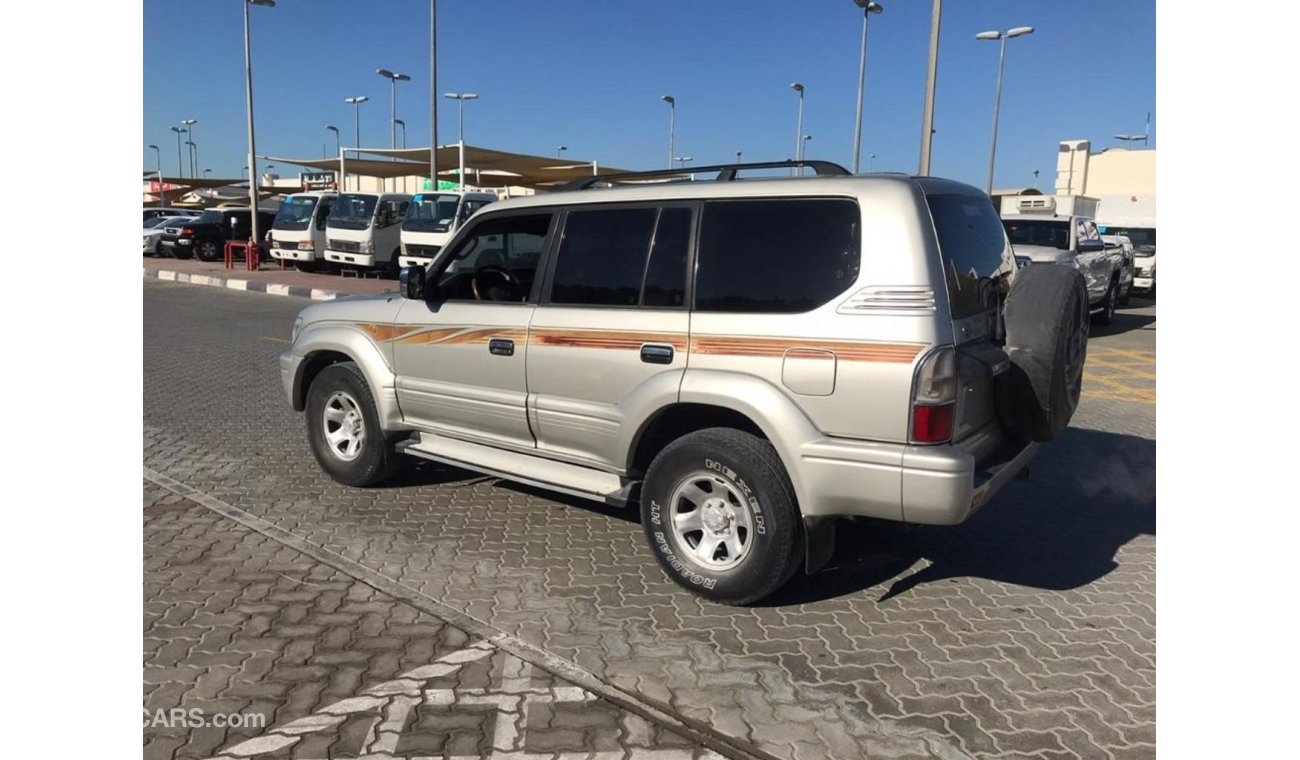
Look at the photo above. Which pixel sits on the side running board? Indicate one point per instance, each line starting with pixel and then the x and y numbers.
pixel 575 480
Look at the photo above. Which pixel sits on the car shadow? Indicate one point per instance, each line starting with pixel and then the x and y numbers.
pixel 1122 322
pixel 1089 494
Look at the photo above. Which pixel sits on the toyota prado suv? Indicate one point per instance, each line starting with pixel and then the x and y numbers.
pixel 744 360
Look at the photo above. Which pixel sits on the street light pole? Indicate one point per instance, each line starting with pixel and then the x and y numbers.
pixel 252 145
pixel 672 127
pixel 798 135
pixel 338 147
pixel 931 74
pixel 162 193
pixel 433 94
pixel 460 98
pixel 868 8
pixel 738 157
pixel 997 99
pixel 560 150
pixel 356 108
pixel 180 165
pixel 194 159
pixel 402 123
pixel 393 79
pixel 871 162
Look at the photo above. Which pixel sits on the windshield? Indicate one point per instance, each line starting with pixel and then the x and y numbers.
pixel 431 213
pixel 352 211
pixel 1044 232
pixel 156 221
pixel 295 213
pixel 1142 238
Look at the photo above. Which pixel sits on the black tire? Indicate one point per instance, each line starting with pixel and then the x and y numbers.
pixel 307 267
pixel 1128 295
pixel 182 252
pixel 395 266
pixel 207 250
pixel 375 459
pixel 1047 342
pixel 740 463
pixel 1107 313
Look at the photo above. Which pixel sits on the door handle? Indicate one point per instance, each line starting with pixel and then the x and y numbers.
pixel 501 347
pixel 656 354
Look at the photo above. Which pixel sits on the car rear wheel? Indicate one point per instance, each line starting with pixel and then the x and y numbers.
pixel 343 427
pixel 1107 313
pixel 720 515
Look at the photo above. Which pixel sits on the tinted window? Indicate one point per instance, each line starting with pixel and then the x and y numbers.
pixel 431 213
pixel 352 212
pixel 973 246
pixel 665 275
pixel 777 256
pixel 1044 232
pixel 295 213
pixel 602 257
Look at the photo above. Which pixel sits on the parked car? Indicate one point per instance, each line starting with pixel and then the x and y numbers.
pixel 205 236
pixel 364 230
pixel 156 212
pixel 154 229
pixel 431 220
pixel 1122 244
pixel 648 345
pixel 298 232
pixel 1048 229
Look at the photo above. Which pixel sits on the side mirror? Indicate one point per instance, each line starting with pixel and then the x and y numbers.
pixel 412 279
pixel 1090 246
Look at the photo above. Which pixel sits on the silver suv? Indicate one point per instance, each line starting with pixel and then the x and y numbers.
pixel 745 359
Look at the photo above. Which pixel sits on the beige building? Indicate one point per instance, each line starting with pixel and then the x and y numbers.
pixel 1114 171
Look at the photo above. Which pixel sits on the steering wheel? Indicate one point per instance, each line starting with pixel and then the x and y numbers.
pixel 510 281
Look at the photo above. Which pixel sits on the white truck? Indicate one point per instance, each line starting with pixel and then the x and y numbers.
pixel 1133 216
pixel 364 230
pixel 1061 229
pixel 432 219
pixel 298 232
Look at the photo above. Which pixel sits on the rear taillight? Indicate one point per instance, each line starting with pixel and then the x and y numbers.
pixel 935 397
pixel 187 232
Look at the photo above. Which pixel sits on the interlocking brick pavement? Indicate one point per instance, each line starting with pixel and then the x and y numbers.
pixel 326 666
pixel 1029 631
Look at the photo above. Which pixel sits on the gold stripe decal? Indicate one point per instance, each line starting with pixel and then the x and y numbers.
pixel 611 339
pixel 853 351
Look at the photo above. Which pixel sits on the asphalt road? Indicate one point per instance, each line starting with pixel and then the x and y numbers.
pixel 1029 631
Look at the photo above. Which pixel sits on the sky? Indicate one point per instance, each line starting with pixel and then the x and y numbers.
pixel 589 74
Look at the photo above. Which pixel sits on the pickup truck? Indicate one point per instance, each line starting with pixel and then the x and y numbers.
pixel 1046 229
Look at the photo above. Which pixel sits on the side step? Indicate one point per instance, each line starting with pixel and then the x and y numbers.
pixel 572 479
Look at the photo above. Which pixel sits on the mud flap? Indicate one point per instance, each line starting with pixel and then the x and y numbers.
pixel 819 542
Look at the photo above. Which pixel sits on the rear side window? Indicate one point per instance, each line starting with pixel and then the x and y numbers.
pixel 776 256
pixel 623 257
pixel 973 245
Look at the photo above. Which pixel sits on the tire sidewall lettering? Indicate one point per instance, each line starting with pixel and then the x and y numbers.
pixel 756 509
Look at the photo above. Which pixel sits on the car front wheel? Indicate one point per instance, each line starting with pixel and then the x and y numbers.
pixel 343 427
pixel 720 515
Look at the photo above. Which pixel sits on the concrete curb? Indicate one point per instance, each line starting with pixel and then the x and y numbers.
pixel 270 288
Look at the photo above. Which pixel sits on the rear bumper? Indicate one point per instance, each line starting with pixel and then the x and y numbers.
pixel 931 485
pixel 1144 283
pixel 414 261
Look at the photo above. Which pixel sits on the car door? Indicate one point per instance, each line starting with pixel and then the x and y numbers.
pixel 1094 260
pixel 459 354
pixel 608 341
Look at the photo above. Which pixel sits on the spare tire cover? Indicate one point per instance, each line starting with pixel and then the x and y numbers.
pixel 1046 318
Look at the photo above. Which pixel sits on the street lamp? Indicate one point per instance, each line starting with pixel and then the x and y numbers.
pixel 460 98
pixel 871 162
pixel 931 75
pixel 162 194
pixel 672 126
pixel 402 124
pixel 194 162
pixel 868 8
pixel 252 143
pixel 180 165
pixel 356 104
pixel 393 79
pixel 681 161
pixel 560 150
pixel 243 173
pixel 206 172
pixel 738 157
pixel 338 147
pixel 191 149
pixel 1002 37
pixel 798 135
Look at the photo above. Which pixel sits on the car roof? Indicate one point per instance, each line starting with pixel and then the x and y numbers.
pixel 859 185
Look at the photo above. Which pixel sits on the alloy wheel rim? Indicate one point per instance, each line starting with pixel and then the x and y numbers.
pixel 344 426
pixel 711 520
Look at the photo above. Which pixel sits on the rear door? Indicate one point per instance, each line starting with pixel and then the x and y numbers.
pixel 609 339
pixel 977 263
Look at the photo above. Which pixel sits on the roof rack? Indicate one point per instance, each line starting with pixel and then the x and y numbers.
pixel 726 172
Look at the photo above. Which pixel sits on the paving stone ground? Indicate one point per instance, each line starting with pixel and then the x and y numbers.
pixel 324 666
pixel 1029 631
